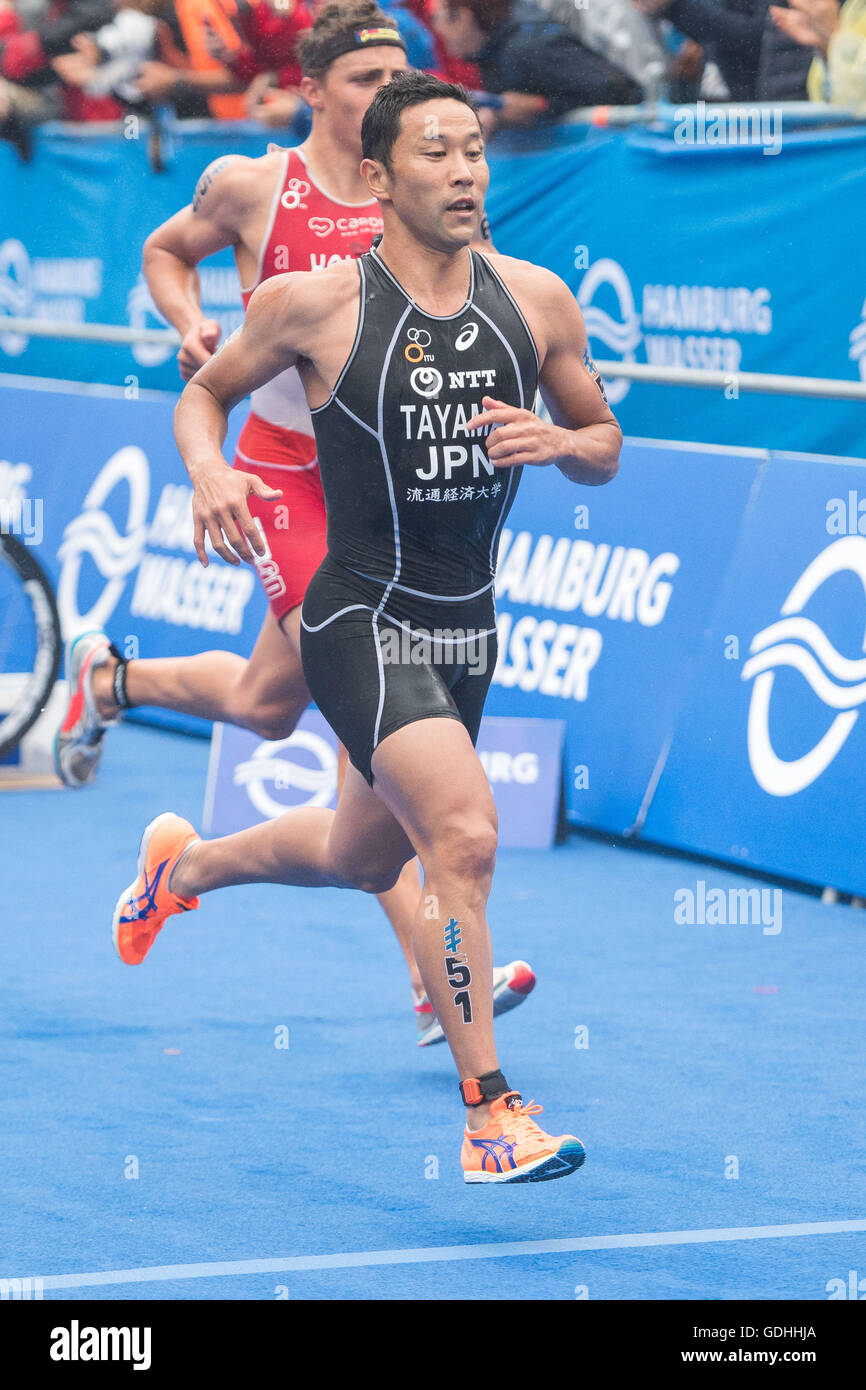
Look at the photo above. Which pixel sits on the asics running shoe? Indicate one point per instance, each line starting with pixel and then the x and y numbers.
pixel 511 985
pixel 143 907
pixel 78 744
pixel 511 1147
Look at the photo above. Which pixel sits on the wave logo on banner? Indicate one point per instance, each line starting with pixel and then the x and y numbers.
pixel 94 533
pixel 285 774
pixel 143 313
pixel 858 344
pixel 800 643
pixel 620 335
pixel 15 290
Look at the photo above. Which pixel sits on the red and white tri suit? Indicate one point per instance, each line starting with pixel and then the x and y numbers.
pixel 307 230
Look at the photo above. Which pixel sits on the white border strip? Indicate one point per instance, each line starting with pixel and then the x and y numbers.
pixel 438 1254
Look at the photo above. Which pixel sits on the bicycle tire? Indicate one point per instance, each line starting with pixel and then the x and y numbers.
pixel 39 592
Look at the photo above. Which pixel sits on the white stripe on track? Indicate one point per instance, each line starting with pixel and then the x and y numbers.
pixel 442 1253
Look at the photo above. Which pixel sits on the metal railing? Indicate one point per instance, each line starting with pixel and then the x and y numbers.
pixel 753 383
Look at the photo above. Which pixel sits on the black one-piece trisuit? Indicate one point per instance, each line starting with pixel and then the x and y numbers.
pixel 398 623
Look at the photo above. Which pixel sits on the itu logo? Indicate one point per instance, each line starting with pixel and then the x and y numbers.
pixel 93 533
pixel 312 781
pixel 620 335
pixel 838 681
pixel 419 339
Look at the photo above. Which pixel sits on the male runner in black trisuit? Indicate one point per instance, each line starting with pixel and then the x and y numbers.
pixel 409 359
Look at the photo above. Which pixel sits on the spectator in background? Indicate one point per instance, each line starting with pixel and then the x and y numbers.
pixel 107 62
pixel 531 65
pixel 266 62
pixel 272 97
pixel 19 106
pixel 29 87
pixel 667 65
pixel 192 69
pixel 417 33
pixel 620 33
pixel 447 64
pixel 838 75
pixel 757 62
pixel 140 59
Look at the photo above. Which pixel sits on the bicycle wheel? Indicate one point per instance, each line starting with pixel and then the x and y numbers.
pixel 30 643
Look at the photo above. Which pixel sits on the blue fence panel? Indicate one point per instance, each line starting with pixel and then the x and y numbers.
pixel 109 510
pixel 602 598
pixel 766 763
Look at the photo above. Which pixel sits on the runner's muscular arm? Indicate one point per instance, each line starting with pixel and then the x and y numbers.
pixel 582 437
pixel 258 351
pixel 173 251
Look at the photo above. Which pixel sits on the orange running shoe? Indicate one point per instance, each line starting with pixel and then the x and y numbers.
pixel 511 1147
pixel 143 907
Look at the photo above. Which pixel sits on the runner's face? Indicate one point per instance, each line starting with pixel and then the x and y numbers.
pixel 349 86
pixel 439 174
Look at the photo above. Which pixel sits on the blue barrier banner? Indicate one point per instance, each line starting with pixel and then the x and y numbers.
pixel 103 495
pixel 696 629
pixel 690 254
pixel 766 764
pixel 603 595
pixel 681 249
pixel 251 780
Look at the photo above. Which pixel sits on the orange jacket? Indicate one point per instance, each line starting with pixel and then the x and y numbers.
pixel 191 15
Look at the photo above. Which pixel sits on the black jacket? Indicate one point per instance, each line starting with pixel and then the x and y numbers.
pixel 528 52
pixel 733 29
pixel 784 68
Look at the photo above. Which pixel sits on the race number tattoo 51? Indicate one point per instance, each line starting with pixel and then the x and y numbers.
pixel 457 969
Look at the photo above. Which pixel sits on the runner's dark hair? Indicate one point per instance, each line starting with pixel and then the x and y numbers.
pixel 381 125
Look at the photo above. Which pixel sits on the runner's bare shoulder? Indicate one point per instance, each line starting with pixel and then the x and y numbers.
pixel 305 305
pixel 542 296
pixel 536 281
pixel 235 184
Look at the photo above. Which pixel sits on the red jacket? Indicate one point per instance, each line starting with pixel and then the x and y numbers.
pixel 270 42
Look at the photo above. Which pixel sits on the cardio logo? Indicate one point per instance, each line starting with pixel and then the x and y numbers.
pixel 316 777
pixel 94 533
pixel 322 226
pixel 837 680
pixel 621 335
